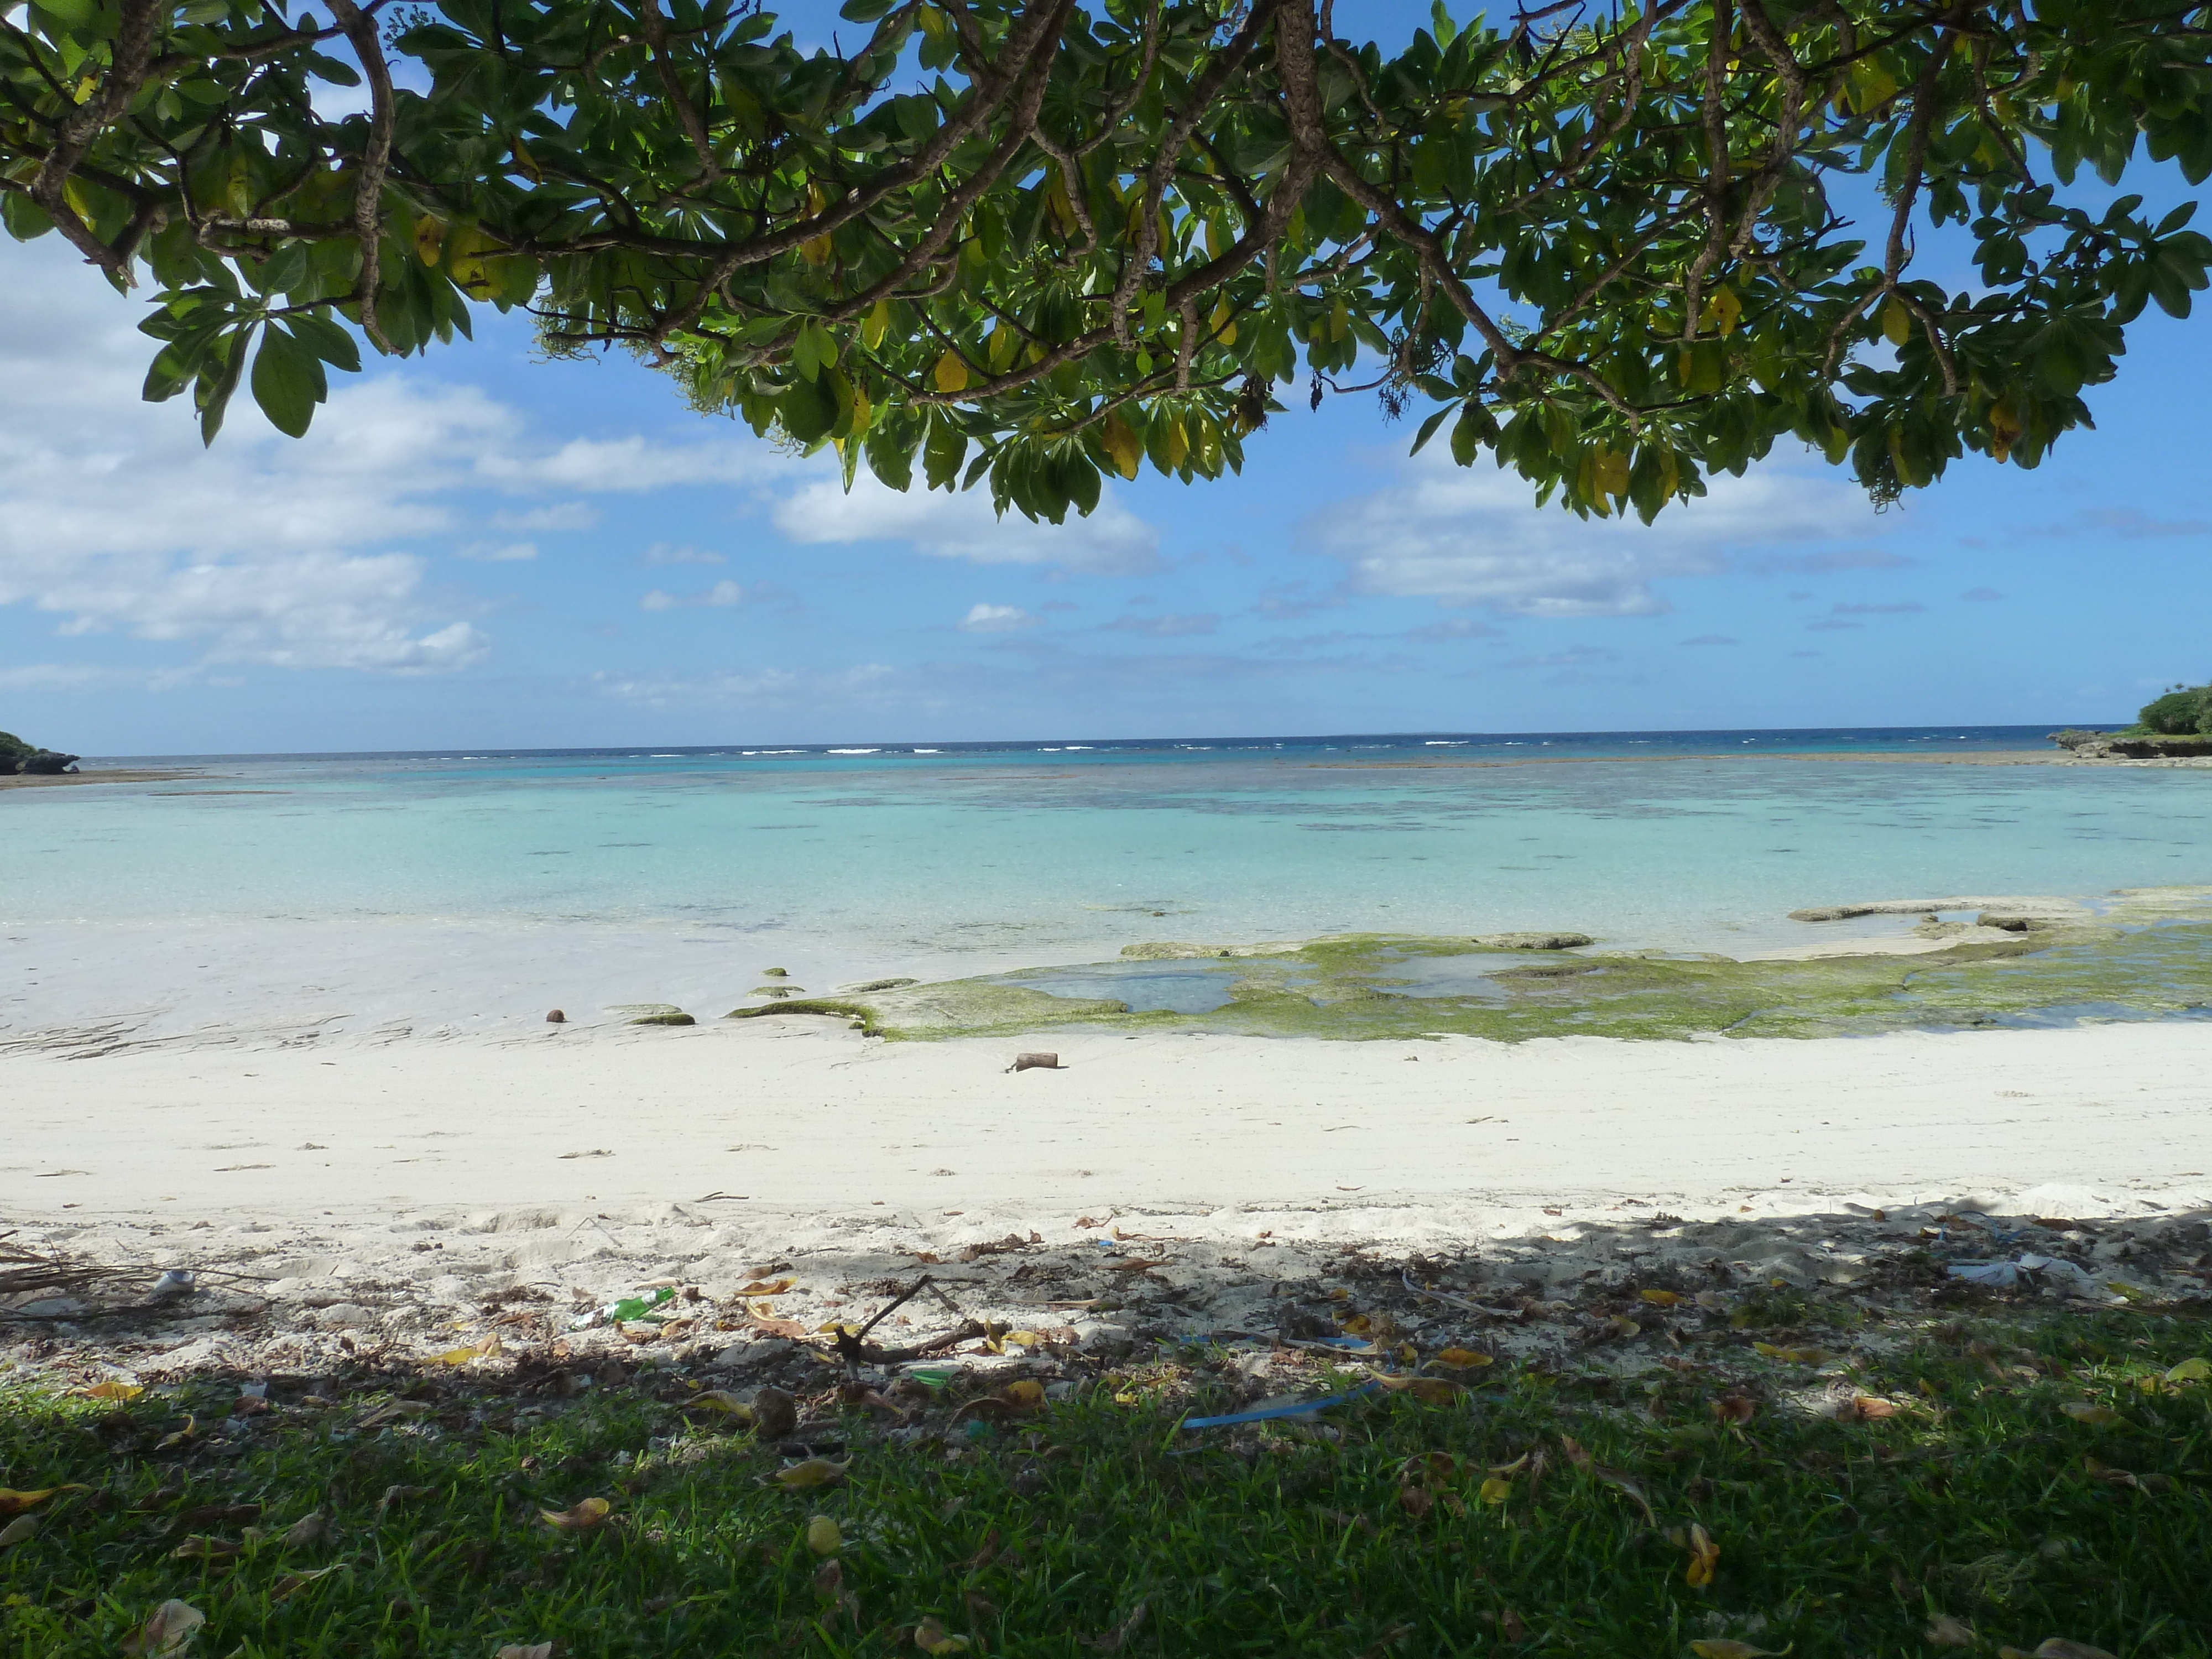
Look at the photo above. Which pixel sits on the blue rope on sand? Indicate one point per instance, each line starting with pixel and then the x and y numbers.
pixel 1295 1409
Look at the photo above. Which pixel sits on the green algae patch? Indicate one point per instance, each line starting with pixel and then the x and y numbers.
pixel 2147 957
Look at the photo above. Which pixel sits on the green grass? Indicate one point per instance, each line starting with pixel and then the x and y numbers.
pixel 1981 1499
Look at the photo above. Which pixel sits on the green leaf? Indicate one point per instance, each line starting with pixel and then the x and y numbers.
pixel 287 381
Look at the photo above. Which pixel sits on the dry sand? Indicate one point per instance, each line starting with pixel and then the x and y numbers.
pixel 400 1194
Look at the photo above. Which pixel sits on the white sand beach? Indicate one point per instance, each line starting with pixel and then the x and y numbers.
pixel 410 1190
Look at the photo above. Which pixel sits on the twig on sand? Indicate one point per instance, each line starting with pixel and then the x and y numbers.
pixel 1457 1301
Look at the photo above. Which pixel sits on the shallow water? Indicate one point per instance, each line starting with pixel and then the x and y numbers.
pixel 951 860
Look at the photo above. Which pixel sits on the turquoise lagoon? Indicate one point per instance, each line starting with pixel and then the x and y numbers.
pixel 943 859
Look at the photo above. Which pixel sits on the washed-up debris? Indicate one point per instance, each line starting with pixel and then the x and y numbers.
pixel 2009 1275
pixel 1036 1061
pixel 1277 1410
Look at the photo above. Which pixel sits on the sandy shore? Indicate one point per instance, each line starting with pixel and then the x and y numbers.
pixel 117 775
pixel 410 1191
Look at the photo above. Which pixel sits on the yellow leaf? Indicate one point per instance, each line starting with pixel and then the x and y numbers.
pixel 1027 1339
pixel 1123 444
pixel 591 1512
pixel 775 1287
pixel 1896 322
pixel 1723 311
pixel 2189 1371
pixel 1025 1392
pixel 2059 1647
pixel 931 1637
pixel 1465 1359
pixel 823 1535
pixel 483 1349
pixel 1223 323
pixel 876 324
pixel 951 373
pixel 166 1631
pixel 2097 1417
pixel 720 1400
pixel 1178 443
pixel 1720 1647
pixel 1496 1490
pixel 526 1650
pixel 178 1436
pixel 1704 1558
pixel 1659 1299
pixel 113 1388
pixel 17 1531
pixel 429 232
pixel 814 1472
pixel 14 1503
pixel 1794 1356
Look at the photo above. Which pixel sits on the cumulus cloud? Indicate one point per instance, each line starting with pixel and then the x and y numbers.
pixel 1475 536
pixel 265 550
pixel 724 592
pixel 1112 541
pixel 997 619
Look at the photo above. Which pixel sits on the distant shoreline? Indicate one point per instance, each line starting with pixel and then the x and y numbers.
pixel 47 780
pixel 2056 757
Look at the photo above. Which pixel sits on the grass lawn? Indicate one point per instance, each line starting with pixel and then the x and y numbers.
pixel 2009 1478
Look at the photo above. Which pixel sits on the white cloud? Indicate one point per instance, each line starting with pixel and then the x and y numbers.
pixel 665 553
pixel 497 552
pixel 725 592
pixel 1111 542
pixel 1475 536
pixel 997 619
pixel 265 550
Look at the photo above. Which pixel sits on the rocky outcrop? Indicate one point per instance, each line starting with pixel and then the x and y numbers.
pixel 45 763
pixel 1532 941
pixel 2135 746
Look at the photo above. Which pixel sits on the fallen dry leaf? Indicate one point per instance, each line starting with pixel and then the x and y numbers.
pixel 486 1349
pixel 1112 1640
pixel 2059 1647
pixel 534 1651
pixel 1869 1408
pixel 1734 1408
pixel 720 1400
pixel 2097 1417
pixel 166 1631
pixel 1794 1356
pixel 292 1582
pixel 823 1535
pixel 13 1502
pixel 1513 1628
pixel 308 1529
pixel 113 1388
pixel 591 1512
pixel 1660 1299
pixel 766 1287
pixel 1945 1632
pixel 931 1637
pixel 1704 1558
pixel 1720 1647
pixel 2189 1371
pixel 1496 1489
pixel 178 1436
pixel 205 1548
pixel 17 1531
pixel 814 1472
pixel 1465 1359
pixel 1024 1393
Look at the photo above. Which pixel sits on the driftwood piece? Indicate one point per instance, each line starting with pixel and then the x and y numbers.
pixel 1036 1062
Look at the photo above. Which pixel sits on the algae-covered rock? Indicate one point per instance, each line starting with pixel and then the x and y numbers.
pixel 866 986
pixel 664 1019
pixel 1533 941
pixel 775 972
pixel 1169 950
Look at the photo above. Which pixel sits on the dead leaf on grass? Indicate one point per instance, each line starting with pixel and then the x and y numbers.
pixel 205 1548
pixel 2097 1416
pixel 720 1400
pixel 13 1502
pixel 1721 1647
pixel 113 1388
pixel 178 1436
pixel 2056 1648
pixel 814 1472
pixel 1024 1394
pixel 308 1529
pixel 823 1535
pixel 1705 1559
pixel 1945 1632
pixel 1734 1408
pixel 522 1650
pixel 582 1518
pixel 17 1531
pixel 1869 1408
pixel 1496 1489
pixel 166 1631
pixel 1660 1299
pixel 1112 1640
pixel 931 1637
pixel 1793 1356
pixel 1428 1390
pixel 292 1582
pixel 2189 1371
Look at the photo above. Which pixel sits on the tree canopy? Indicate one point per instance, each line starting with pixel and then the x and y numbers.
pixel 1039 241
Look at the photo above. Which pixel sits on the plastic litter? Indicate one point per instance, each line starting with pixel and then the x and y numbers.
pixel 2006 1275
pixel 627 1310
pixel 172 1284
pixel 1270 1413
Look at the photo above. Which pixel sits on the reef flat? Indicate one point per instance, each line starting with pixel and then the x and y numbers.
pixel 2141 954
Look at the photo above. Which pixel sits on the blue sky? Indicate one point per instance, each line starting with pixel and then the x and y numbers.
pixel 479 549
